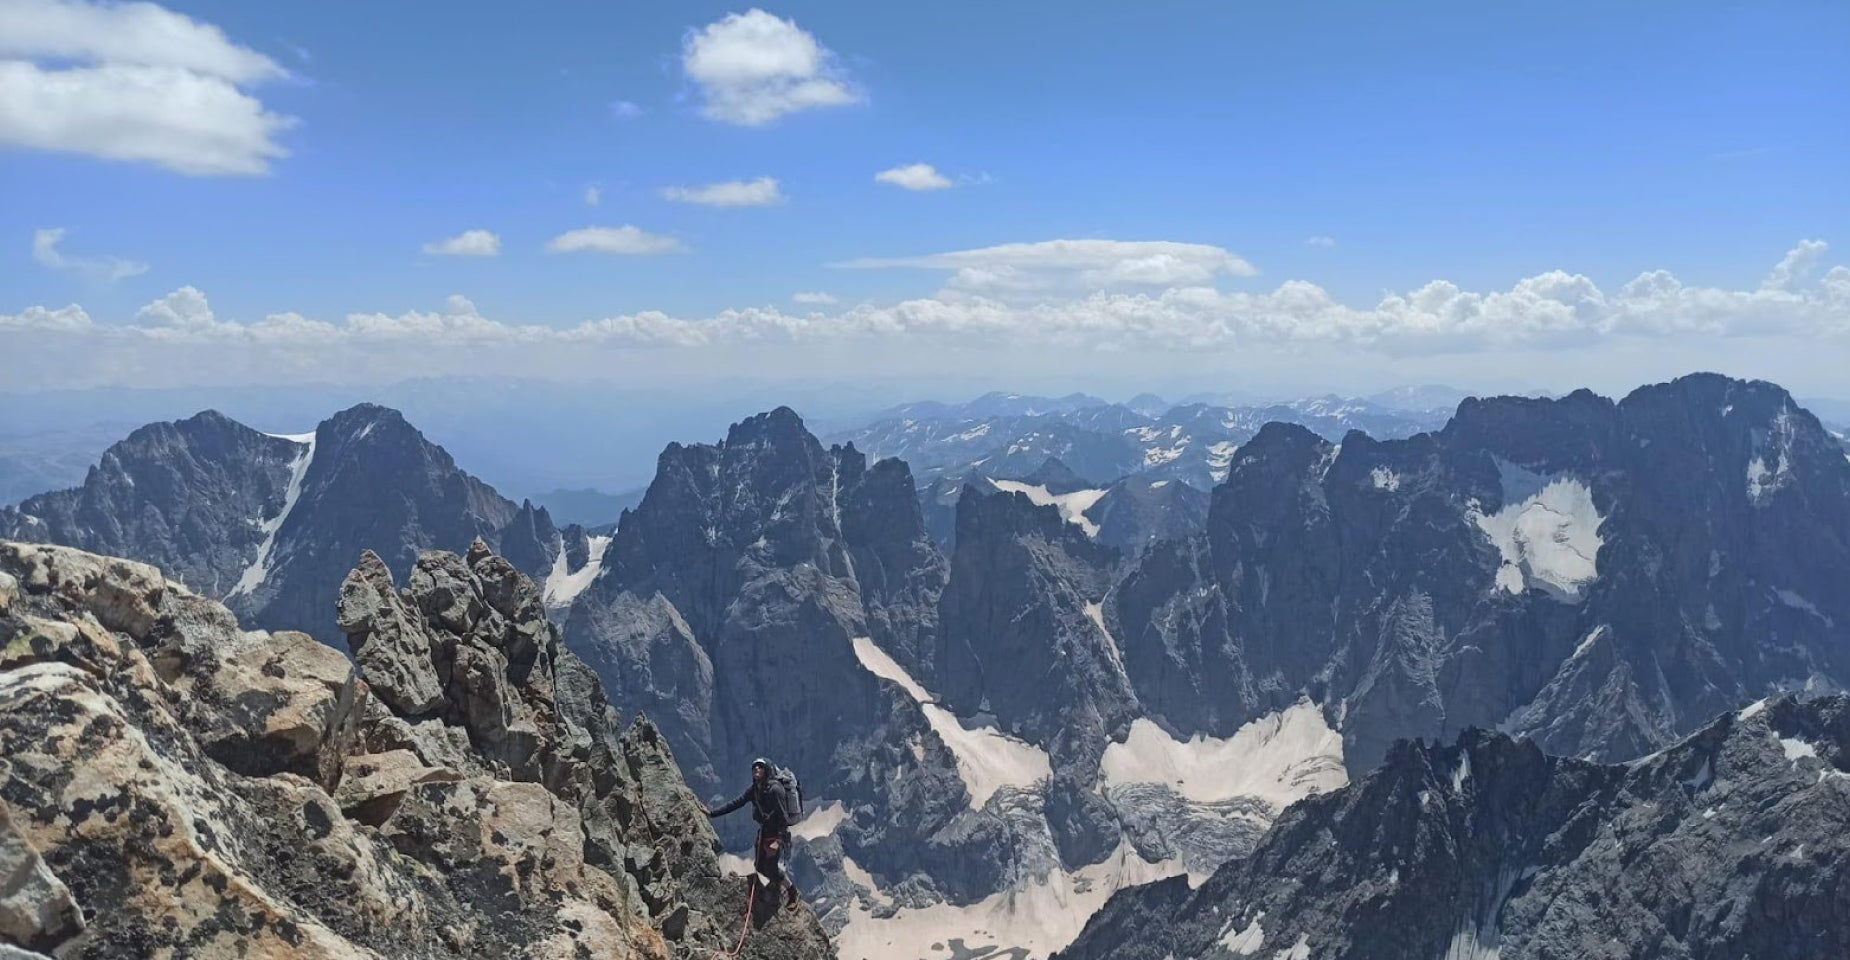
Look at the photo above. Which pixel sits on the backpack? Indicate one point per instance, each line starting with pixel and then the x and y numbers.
pixel 793 793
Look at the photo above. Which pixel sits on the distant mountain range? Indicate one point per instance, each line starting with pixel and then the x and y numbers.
pixel 1005 435
pixel 1014 689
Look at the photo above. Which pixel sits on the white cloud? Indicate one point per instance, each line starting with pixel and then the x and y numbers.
pixel 754 67
pixel 1796 265
pixel 1018 269
pixel 594 195
pixel 814 298
pixel 1320 240
pixel 618 240
pixel 625 110
pixel 143 34
pixel 1553 311
pixel 918 176
pixel 185 308
pixel 106 269
pixel 134 82
pixel 469 243
pixel 762 192
pixel 70 319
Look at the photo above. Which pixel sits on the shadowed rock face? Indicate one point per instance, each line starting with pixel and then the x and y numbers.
pixel 1421 586
pixel 173 785
pixel 269 525
pixel 1729 843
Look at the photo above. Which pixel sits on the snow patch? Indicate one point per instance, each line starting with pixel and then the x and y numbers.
pixel 1072 506
pixel 563 585
pixel 987 760
pixel 1462 773
pixel 254 575
pixel 1585 645
pixel 1096 613
pixel 1797 602
pixel 1158 485
pixel 1280 758
pixel 1297 951
pixel 1220 457
pixel 1385 479
pixel 820 822
pixel 1548 537
pixel 1751 710
pixel 1039 917
pixel 1247 941
pixel 1797 749
pixel 1157 456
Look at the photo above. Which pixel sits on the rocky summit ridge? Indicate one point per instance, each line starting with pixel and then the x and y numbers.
pixel 174 786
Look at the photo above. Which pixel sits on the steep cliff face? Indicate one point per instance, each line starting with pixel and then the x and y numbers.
pixel 1601 576
pixel 173 785
pixel 1729 843
pixel 180 495
pixel 730 597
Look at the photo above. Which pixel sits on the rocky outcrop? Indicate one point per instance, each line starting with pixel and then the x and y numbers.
pixel 172 785
pixel 1729 843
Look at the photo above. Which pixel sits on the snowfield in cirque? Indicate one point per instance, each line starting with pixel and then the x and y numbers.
pixel 1039 918
pixel 1072 506
pixel 563 584
pixel 987 760
pixel 1280 758
pixel 1547 533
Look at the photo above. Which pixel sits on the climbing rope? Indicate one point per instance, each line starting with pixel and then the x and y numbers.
pixel 745 925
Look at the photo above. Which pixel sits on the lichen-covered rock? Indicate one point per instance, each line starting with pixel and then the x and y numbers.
pixel 36 908
pixel 179 787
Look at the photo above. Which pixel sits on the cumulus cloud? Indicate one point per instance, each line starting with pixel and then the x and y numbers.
pixel 1797 264
pixel 469 243
pixel 762 192
pixel 134 82
pixel 1320 241
pixel 752 68
pixel 626 240
pixel 813 297
pixel 1554 311
pixel 69 319
pixel 1022 269
pixel 105 269
pixel 917 176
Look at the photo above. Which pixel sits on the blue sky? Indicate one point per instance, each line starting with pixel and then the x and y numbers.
pixel 1471 143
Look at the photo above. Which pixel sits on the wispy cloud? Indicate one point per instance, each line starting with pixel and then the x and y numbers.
pixel 625 110
pixel 813 298
pixel 625 241
pixel 469 243
pixel 1032 269
pixel 594 195
pixel 762 192
pixel 104 269
pixel 917 176
pixel 1320 241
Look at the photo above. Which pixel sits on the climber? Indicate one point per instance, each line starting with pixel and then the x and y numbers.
pixel 774 807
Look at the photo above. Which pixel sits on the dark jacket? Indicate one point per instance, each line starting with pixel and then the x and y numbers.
pixel 770 807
